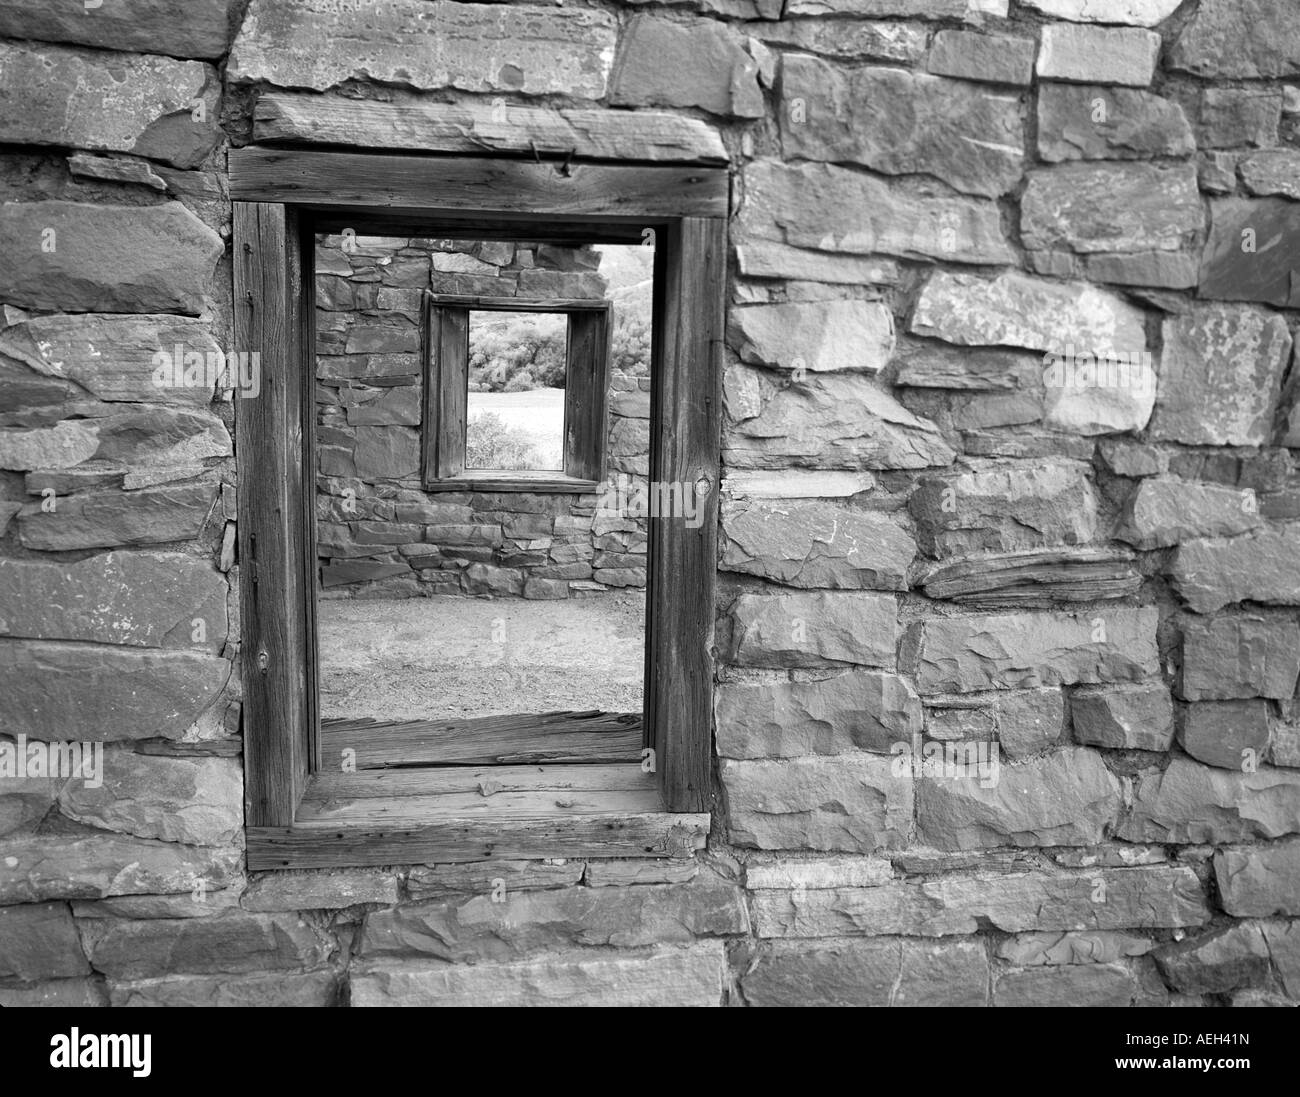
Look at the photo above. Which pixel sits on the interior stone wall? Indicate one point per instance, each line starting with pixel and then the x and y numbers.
pixel 932 537
pixel 379 534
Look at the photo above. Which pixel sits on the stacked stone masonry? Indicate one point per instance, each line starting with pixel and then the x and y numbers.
pixel 1006 708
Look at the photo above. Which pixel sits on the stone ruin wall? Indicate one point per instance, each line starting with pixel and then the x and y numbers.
pixel 922 543
pixel 379 534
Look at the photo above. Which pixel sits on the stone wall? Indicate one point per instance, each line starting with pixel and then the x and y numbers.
pixel 379 533
pixel 936 554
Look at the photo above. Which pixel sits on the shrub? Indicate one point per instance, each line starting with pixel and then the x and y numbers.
pixel 492 444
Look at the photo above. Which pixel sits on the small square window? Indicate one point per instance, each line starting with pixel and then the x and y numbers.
pixel 483 427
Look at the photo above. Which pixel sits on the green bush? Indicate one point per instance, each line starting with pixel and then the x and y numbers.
pixel 491 444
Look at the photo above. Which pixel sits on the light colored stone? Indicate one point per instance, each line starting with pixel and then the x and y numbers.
pixel 670 64
pixel 1232 735
pixel 1220 376
pixel 320 44
pixel 1029 650
pixel 793 870
pixel 1004 508
pixel 1263 566
pixel 859 710
pixel 902 123
pixel 825 421
pixel 1239 39
pixel 1103 984
pixel 1089 54
pixel 88 865
pixel 1123 717
pixel 1259 881
pixel 152 106
pixel 992 58
pixel 793 630
pixel 1067 798
pixel 196 801
pixel 830 209
pixel 73 255
pixel 868 973
pixel 817 336
pixel 277 892
pixel 807 544
pixel 140 26
pixel 1018 310
pixel 1053 949
pixel 481 929
pixel 1272 171
pixel 796 484
pixel 1164 511
pixel 314 989
pixel 92 692
pixel 61 446
pixel 957 904
pixel 485 877
pixel 858 803
pixel 1189 803
pixel 1092 122
pixel 1243 655
pixel 1133 13
pixel 691 976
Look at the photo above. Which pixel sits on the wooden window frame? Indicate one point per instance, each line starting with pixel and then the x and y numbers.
pixel 444 353
pixel 281 200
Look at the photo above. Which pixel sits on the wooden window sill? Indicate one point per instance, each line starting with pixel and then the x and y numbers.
pixel 499 480
pixel 427 815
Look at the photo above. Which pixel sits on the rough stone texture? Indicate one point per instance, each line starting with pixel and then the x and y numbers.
pixel 818 335
pixel 88 865
pixel 282 988
pixel 661 63
pixel 1244 655
pixel 1258 567
pixel 1216 962
pixel 793 870
pixel 119 102
pixel 1274 171
pixel 1003 509
pixel 830 420
pixel 96 692
pixel 1259 882
pixel 1192 803
pixel 1228 734
pixel 1234 117
pixel 691 976
pixel 898 122
pixel 1029 721
pixel 106 258
pixel 198 801
pixel 1091 122
pixel 471 47
pixel 1239 39
pixel 1063 799
pixel 807 544
pixel 1164 511
pixel 1018 651
pixel 1017 310
pixel 868 973
pixel 860 710
pixel 234 942
pixel 1220 376
pixel 1127 222
pixel 443 881
pixel 1248 256
pixel 1089 54
pixel 1100 984
pixel 39 941
pixel 479 929
pixel 143 26
pixel 953 904
pixel 855 803
pixel 144 599
pixel 992 58
pixel 806 630
pixel 1054 949
pixel 1134 717
pixel 833 209
pixel 103 519
pixel 1134 13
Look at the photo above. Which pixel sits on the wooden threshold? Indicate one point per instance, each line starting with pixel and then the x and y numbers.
pixel 572 738
pixel 464 813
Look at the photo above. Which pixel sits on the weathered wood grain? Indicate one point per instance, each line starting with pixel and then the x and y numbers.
pixel 480 185
pixel 1037 578
pixel 554 737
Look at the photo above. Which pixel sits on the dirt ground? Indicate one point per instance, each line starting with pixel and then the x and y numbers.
pixel 453 657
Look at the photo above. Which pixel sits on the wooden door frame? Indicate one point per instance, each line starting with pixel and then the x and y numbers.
pixel 281 199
